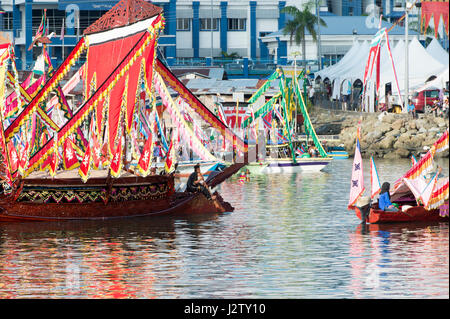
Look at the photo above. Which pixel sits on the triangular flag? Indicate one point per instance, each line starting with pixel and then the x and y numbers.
pixel 85 164
pixel 70 158
pixel 357 181
pixel 54 158
pixel 428 191
pixel 96 151
pixel 116 162
pixel 374 179
pixel 23 159
pixel 13 156
pixel 146 157
pixel 170 159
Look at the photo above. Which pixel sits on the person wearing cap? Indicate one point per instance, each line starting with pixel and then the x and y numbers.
pixel 384 202
pixel 364 204
pixel 197 184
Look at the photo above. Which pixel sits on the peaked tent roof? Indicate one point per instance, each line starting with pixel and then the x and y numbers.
pixel 124 13
pixel 419 71
pixel 345 59
pixel 437 51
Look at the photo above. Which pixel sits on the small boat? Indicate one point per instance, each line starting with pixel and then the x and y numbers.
pixel 417 198
pixel 337 152
pixel 406 213
pixel 285 165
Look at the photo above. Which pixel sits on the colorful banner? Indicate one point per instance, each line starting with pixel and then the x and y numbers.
pixel 263 89
pixel 434 9
pixel 70 158
pixel 13 157
pixel 116 162
pixel 442 143
pixel 96 151
pixel 146 157
pixel 43 93
pixel 427 192
pixel 85 165
pixel 262 111
pixel 171 157
pixel 92 102
pixel 53 165
pixel 440 194
pixel 198 106
pixel 309 128
pixel 186 132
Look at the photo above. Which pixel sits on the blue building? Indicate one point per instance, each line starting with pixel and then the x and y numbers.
pixel 195 32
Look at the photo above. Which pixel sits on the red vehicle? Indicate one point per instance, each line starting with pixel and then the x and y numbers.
pixel 424 100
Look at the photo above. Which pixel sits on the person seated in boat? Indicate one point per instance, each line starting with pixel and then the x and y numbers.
pixel 157 152
pixel 196 183
pixel 313 151
pixel 384 202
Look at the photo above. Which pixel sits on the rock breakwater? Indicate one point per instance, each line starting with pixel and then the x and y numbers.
pixel 383 135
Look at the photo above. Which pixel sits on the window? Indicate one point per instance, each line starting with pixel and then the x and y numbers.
pixel 7 21
pixel 183 24
pixel 205 24
pixel 236 24
pixel 350 11
pixel 432 94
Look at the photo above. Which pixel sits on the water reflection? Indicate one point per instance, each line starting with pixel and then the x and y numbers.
pixel 383 255
pixel 290 236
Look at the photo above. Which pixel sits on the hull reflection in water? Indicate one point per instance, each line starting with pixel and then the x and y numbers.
pixel 290 236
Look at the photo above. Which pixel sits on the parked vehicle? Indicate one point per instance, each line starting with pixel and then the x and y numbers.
pixel 424 100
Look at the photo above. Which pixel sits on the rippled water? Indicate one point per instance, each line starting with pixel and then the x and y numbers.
pixel 291 236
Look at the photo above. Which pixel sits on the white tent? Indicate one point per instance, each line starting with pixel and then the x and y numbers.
pixel 437 51
pixel 324 73
pixel 352 70
pixel 439 82
pixel 421 67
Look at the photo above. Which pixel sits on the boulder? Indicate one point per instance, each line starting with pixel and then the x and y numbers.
pixel 402 152
pixel 398 124
pixel 387 142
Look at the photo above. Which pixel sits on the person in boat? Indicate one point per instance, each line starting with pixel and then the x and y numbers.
pixel 384 202
pixel 196 183
pixel 157 152
pixel 313 151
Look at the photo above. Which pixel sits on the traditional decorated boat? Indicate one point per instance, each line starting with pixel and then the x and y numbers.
pixel 418 199
pixel 283 153
pixel 86 162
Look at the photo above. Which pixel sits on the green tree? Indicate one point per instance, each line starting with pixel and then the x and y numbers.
pixel 302 21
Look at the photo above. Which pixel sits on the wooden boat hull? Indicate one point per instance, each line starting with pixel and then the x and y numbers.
pixel 416 213
pixel 105 198
pixel 178 204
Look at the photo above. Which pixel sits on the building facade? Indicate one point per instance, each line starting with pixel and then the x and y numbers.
pixel 195 30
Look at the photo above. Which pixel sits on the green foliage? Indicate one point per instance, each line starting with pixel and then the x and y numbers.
pixel 233 55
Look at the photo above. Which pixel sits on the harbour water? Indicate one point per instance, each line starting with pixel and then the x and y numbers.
pixel 290 236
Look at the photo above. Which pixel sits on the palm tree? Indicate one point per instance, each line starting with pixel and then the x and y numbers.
pixel 303 20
